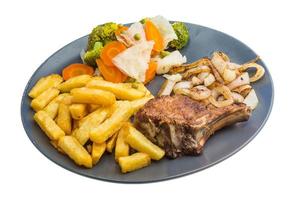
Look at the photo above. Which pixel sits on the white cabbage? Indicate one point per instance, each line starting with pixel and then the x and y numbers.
pixel 173 59
pixel 165 29
pixel 134 60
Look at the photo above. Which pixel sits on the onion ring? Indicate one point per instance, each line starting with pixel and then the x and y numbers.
pixel 197 93
pixel 260 71
pixel 225 91
pixel 197 70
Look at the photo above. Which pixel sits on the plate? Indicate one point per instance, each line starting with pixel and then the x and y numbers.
pixel 226 142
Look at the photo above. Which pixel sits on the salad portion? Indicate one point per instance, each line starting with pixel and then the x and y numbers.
pixel 136 52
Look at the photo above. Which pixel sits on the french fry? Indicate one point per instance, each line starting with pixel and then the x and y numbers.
pixel 54 144
pixel 97 151
pixel 44 98
pixel 119 89
pixel 52 108
pixel 78 111
pixel 111 125
pixel 93 107
pixel 141 87
pixel 75 124
pixel 97 78
pixel 93 120
pixel 134 162
pixel 50 128
pixel 73 133
pixel 75 151
pixel 139 142
pixel 45 83
pixel 93 96
pixel 139 103
pixel 74 82
pixel 67 99
pixel 122 148
pixel 110 109
pixel 64 118
pixel 111 142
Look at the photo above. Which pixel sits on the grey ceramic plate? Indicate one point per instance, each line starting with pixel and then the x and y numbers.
pixel 226 142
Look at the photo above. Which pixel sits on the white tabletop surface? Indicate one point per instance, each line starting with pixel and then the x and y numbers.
pixel 33 30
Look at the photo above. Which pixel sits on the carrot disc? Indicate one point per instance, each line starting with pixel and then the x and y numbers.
pixel 111 73
pixel 110 50
pixel 76 69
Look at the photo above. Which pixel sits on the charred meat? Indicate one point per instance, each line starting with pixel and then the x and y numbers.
pixel 181 125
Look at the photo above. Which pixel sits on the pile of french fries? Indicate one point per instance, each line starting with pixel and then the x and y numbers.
pixel 86 116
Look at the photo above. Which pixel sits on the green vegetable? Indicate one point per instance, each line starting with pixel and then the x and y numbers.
pixel 164 54
pixel 182 35
pixel 137 36
pixel 91 55
pixel 103 33
pixel 142 21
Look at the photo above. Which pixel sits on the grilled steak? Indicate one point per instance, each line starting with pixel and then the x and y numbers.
pixel 181 125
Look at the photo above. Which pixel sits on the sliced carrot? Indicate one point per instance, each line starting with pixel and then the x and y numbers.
pixel 111 73
pixel 151 71
pixel 110 50
pixel 152 33
pixel 120 30
pixel 76 69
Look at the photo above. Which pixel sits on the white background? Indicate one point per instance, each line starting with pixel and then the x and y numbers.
pixel 32 30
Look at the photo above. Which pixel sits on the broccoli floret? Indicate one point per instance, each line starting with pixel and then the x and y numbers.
pixel 102 33
pixel 91 55
pixel 182 35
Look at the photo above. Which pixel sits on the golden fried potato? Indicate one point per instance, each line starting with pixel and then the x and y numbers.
pixel 97 151
pixel 78 110
pixel 122 148
pixel 139 103
pixel 97 78
pixel 93 96
pixel 139 142
pixel 67 99
pixel 134 162
pixel 54 144
pixel 50 128
pixel 111 142
pixel 93 120
pixel 45 83
pixel 75 151
pixel 75 124
pixel 111 125
pixel 93 107
pixel 64 119
pixel 44 98
pixel 119 89
pixel 74 82
pixel 52 108
pixel 141 87
pixel 110 109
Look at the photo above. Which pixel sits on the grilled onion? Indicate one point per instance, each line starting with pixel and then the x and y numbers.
pixel 210 79
pixel 201 62
pixel 260 71
pixel 251 99
pixel 243 90
pixel 237 97
pixel 197 70
pixel 196 81
pixel 183 85
pixel 197 93
pixel 225 91
pixel 243 79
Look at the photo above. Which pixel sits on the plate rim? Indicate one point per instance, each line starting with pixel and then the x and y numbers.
pixel 158 179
